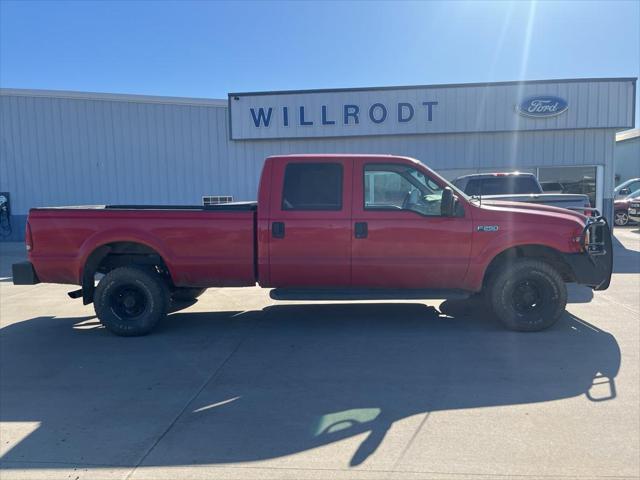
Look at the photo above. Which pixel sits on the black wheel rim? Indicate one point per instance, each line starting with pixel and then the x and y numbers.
pixel 128 302
pixel 527 297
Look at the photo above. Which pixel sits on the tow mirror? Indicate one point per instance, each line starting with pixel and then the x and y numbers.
pixel 447 206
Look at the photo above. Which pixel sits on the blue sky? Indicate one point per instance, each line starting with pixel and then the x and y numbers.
pixel 207 49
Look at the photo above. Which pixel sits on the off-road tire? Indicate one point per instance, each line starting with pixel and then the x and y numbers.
pixel 130 301
pixel 527 295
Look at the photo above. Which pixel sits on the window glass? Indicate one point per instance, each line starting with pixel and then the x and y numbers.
pixel 573 179
pixel 312 186
pixel 502 185
pixel 399 187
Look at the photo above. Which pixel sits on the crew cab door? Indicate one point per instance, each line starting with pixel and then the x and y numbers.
pixel 310 224
pixel 401 240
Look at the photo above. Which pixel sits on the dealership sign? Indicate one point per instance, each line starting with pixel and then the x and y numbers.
pixel 348 114
pixel 415 110
pixel 542 106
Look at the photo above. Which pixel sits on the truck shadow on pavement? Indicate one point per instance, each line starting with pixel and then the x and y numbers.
pixel 213 388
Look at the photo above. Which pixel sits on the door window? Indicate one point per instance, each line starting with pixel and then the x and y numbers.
pixel 312 186
pixel 400 187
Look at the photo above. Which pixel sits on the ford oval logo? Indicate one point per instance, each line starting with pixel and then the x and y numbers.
pixel 542 106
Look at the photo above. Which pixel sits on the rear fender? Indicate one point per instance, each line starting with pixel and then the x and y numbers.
pixel 101 241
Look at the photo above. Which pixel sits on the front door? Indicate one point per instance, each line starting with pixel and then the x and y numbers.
pixel 401 240
pixel 310 224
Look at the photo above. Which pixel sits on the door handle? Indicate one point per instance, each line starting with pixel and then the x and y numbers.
pixel 277 229
pixel 361 230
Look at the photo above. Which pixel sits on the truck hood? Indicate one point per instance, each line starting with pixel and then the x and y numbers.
pixel 533 208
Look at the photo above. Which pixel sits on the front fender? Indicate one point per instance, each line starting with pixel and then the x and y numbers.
pixel 488 245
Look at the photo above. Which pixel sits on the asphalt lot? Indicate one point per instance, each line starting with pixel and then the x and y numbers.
pixel 241 387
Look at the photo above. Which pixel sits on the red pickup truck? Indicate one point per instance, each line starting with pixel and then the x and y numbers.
pixel 324 227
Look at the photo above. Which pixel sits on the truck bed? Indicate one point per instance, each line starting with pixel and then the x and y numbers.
pixel 203 246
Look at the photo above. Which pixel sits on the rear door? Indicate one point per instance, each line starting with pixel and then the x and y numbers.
pixel 310 226
pixel 401 240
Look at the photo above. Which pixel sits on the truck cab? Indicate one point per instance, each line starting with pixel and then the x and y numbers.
pixel 361 222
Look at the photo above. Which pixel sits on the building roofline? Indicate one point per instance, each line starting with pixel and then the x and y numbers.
pixel 118 97
pixel 628 134
pixel 438 85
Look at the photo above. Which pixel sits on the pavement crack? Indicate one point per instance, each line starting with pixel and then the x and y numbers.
pixel 212 377
pixel 410 442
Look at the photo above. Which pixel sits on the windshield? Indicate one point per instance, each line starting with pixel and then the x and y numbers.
pixel 634 194
pixel 626 184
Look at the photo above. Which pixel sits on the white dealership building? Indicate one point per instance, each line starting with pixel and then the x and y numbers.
pixel 64 148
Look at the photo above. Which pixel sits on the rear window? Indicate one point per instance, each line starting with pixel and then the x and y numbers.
pixel 506 185
pixel 312 186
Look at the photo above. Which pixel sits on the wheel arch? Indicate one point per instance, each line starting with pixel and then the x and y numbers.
pixel 537 251
pixel 107 256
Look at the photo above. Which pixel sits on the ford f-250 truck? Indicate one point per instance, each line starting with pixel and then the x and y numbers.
pixel 324 227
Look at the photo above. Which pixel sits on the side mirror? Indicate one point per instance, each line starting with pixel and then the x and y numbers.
pixel 447 205
pixel 624 191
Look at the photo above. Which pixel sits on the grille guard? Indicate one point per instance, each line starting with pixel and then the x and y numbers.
pixel 596 236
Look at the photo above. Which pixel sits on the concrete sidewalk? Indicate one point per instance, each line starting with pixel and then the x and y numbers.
pixel 241 387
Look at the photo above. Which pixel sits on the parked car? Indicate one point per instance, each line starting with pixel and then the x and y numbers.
pixel 324 227
pixel 621 209
pixel 517 187
pixel 626 188
pixel 634 209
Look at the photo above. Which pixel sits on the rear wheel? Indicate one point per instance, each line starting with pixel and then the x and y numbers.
pixel 528 295
pixel 130 301
pixel 621 218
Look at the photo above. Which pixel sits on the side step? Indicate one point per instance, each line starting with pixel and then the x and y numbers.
pixel 365 294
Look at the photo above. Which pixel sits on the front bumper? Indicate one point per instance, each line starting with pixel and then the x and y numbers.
pixel 24 274
pixel 594 266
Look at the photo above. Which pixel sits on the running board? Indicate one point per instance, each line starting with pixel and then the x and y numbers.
pixel 365 294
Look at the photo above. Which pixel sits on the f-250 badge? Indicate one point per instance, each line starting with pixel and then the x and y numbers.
pixel 488 228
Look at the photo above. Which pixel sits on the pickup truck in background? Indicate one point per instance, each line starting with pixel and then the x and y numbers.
pixel 324 227
pixel 518 187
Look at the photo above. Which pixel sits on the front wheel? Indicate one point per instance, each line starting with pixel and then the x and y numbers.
pixel 621 218
pixel 130 301
pixel 528 295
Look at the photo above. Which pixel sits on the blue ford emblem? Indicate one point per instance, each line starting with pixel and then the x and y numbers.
pixel 542 106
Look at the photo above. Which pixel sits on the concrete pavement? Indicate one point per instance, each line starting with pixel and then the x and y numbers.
pixel 241 387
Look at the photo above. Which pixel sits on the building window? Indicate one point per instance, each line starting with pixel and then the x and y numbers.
pixel 569 180
pixel 312 186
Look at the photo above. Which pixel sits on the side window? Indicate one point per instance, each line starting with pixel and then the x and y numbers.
pixel 400 187
pixel 312 186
